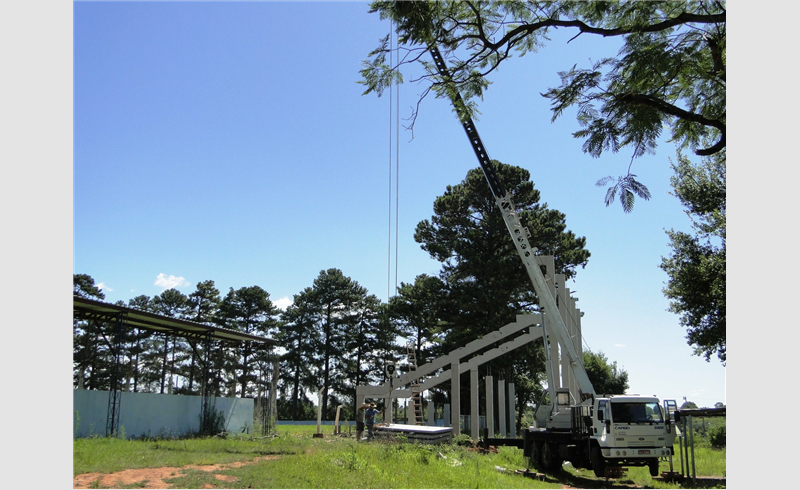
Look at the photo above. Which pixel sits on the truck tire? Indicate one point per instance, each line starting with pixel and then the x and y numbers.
pixel 653 465
pixel 598 463
pixel 550 459
pixel 536 456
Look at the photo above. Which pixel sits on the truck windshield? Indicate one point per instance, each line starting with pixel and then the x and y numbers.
pixel 634 413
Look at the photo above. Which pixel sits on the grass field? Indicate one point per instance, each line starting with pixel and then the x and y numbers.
pixel 292 458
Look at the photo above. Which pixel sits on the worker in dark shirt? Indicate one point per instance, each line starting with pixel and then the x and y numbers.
pixel 360 421
pixel 369 419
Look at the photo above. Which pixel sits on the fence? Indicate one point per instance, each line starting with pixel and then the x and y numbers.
pixel 154 414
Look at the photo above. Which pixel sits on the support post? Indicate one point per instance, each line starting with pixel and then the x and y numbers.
pixel 512 411
pixel 336 428
pixel 490 405
pixel 475 416
pixel 114 396
pixel 501 406
pixel 208 389
pixel 319 412
pixel 455 397
pixel 273 393
pixel 388 402
pixel 691 445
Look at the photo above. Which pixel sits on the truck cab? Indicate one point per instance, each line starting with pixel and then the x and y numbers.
pixel 629 430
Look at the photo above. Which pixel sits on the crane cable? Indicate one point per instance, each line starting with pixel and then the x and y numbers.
pixel 396 120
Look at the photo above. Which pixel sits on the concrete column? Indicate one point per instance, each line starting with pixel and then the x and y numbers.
pixel 565 307
pixel 512 405
pixel 490 405
pixel 446 412
pixel 501 406
pixel 474 413
pixel 554 355
pixel 388 412
pixel 455 397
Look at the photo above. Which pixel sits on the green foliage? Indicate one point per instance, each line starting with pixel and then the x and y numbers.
pixel 670 72
pixel 716 436
pixel 627 187
pixel 606 377
pixel 697 265
pixel 463 440
pixel 248 310
pixel 482 284
pixel 84 286
pixel 415 310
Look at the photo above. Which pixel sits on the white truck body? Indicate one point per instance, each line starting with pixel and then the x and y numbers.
pixel 603 434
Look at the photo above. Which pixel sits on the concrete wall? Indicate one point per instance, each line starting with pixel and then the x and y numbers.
pixel 153 414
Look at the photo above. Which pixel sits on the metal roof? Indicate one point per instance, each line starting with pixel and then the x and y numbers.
pixel 702 412
pixel 85 308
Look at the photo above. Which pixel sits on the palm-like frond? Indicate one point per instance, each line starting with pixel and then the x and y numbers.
pixel 628 188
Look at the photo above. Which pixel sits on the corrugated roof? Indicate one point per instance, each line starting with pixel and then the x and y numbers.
pixel 85 308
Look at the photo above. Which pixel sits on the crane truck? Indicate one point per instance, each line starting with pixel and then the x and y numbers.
pixel 599 432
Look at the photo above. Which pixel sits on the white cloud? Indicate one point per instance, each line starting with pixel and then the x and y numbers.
pixel 102 286
pixel 283 303
pixel 170 281
pixel 619 345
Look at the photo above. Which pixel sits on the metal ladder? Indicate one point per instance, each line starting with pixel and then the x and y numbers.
pixel 416 390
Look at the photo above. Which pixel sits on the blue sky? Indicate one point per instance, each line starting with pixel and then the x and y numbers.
pixel 231 142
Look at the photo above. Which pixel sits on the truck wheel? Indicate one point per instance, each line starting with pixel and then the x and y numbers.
pixel 653 465
pixel 536 456
pixel 550 459
pixel 598 463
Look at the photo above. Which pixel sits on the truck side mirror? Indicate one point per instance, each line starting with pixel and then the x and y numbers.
pixel 601 414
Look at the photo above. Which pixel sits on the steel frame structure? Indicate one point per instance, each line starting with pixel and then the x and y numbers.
pixel 123 318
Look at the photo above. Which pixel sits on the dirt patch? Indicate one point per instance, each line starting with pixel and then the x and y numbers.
pixel 154 477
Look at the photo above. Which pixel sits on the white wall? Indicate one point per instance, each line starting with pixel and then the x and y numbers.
pixel 153 414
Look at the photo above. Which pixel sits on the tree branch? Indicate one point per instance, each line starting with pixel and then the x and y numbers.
pixel 527 29
pixel 672 110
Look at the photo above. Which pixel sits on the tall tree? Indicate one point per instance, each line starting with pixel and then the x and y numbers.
pixel 203 303
pixel 249 310
pixel 485 282
pixel 299 337
pixel 333 305
pixel 203 307
pixel 368 344
pixel 175 304
pixel 415 308
pixel 696 267
pixel 141 339
pixel 83 285
pixel 85 334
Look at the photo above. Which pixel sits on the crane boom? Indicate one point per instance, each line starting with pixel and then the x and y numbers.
pixel 519 234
